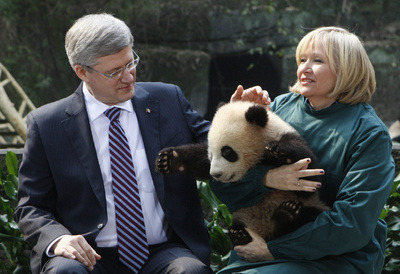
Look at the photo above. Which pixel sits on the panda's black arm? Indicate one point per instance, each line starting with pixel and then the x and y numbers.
pixel 289 149
pixel 190 159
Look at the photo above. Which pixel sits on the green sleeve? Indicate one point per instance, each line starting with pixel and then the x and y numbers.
pixel 351 223
pixel 244 193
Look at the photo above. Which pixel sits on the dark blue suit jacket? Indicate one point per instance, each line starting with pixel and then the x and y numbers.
pixel 61 189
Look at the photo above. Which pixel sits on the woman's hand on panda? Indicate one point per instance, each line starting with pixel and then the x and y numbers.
pixel 287 177
pixel 254 94
pixel 255 251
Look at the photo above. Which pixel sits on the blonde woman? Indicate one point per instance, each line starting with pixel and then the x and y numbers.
pixel 328 106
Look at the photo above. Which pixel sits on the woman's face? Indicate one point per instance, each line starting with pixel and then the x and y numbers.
pixel 315 76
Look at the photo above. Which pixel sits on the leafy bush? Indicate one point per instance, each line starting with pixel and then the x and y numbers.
pixel 391 215
pixel 11 242
pixel 217 221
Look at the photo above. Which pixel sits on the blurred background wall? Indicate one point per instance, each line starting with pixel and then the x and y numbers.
pixel 206 47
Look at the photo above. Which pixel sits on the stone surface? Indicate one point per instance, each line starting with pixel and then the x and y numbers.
pixel 188 68
pixel 396 156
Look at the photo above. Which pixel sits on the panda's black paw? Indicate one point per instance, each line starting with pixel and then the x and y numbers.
pixel 274 151
pixel 288 211
pixel 238 234
pixel 168 162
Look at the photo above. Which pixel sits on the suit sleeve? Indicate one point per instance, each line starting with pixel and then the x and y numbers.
pixel 196 123
pixel 36 194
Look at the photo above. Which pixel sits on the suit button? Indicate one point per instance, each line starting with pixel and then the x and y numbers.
pixel 99 226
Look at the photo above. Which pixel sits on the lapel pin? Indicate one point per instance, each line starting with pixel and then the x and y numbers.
pixel 148 110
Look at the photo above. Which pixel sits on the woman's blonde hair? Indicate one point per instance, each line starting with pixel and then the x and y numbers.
pixel 355 75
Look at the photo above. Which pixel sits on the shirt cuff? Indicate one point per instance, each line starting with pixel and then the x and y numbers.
pixel 50 253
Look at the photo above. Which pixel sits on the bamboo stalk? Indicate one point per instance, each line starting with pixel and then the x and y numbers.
pixel 7 109
pixel 17 87
pixel 12 115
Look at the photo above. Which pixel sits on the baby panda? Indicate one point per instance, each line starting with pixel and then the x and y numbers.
pixel 243 135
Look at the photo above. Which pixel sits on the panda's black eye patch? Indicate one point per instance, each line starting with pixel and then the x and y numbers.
pixel 229 154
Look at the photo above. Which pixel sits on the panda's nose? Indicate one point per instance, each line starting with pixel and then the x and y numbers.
pixel 216 175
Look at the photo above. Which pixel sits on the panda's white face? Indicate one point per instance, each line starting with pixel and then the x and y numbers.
pixel 237 138
pixel 234 145
pixel 228 165
pixel 225 164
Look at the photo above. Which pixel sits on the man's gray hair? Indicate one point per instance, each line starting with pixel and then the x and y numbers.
pixel 96 35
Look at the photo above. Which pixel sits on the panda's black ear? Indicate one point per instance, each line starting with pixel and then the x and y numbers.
pixel 257 115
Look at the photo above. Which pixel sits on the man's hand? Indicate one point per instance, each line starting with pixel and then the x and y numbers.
pixel 255 251
pixel 76 247
pixel 254 94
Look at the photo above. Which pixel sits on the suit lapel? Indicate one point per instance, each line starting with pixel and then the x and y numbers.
pixel 148 115
pixel 77 129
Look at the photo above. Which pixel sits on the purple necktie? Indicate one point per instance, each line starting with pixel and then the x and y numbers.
pixel 132 241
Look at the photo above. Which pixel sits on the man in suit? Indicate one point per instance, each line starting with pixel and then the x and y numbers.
pixel 66 205
pixel 67 210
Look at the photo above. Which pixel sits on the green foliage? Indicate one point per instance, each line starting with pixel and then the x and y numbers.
pixel 11 242
pixel 216 225
pixel 391 215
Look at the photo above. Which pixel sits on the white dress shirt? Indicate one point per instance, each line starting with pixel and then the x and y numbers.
pixel 154 217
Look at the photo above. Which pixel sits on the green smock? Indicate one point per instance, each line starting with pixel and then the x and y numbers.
pixel 354 148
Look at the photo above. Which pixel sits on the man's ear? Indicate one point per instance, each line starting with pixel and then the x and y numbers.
pixel 82 73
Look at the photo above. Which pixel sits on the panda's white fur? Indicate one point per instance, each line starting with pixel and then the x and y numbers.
pixel 230 128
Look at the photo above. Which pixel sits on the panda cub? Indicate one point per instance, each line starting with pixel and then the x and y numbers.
pixel 241 136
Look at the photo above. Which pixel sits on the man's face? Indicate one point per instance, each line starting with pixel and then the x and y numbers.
pixel 112 91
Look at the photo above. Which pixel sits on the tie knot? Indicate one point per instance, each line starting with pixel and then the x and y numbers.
pixel 113 113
